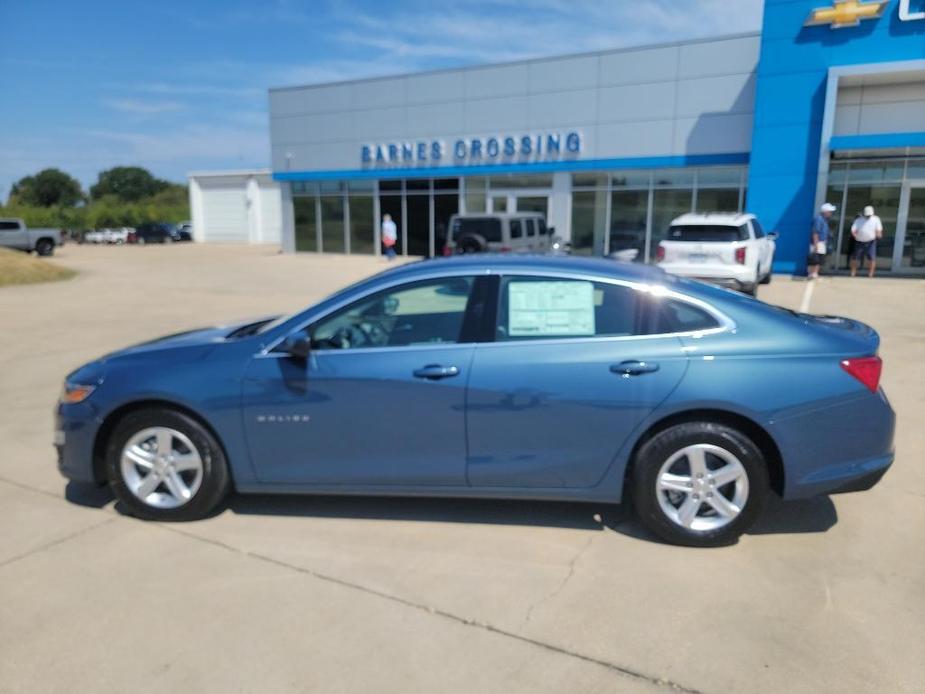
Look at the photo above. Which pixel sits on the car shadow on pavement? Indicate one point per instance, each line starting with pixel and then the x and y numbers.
pixel 815 515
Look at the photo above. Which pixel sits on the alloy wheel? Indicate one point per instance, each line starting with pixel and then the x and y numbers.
pixel 702 487
pixel 161 467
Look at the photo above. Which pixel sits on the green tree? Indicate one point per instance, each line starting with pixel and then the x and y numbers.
pixel 48 188
pixel 128 183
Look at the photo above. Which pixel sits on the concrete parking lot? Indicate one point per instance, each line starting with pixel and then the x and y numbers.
pixel 345 594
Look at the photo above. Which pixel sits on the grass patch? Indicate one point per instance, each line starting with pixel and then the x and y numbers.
pixel 17 267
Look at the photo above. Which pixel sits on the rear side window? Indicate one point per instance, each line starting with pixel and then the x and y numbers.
pixel 488 228
pixel 552 308
pixel 517 229
pixel 9 226
pixel 756 227
pixel 708 233
pixel 541 227
pixel 531 227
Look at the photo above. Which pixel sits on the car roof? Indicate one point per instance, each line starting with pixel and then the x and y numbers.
pixel 713 219
pixel 483 263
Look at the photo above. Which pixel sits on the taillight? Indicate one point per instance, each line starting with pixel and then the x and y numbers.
pixel 447 251
pixel 659 253
pixel 505 249
pixel 740 255
pixel 866 370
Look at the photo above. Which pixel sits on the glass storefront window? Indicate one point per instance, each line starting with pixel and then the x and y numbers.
pixel 361 224
pixel 631 179
pixel 418 226
pixel 837 173
pixel 668 203
pixel 390 185
pixel 719 176
pixel 361 186
pixel 676 177
pixel 885 200
pixel 916 169
pixel 392 205
pixel 589 213
pixel 445 206
pixel 876 171
pixel 589 180
pixel 446 184
pixel 629 211
pixel 306 229
pixel 332 186
pixel 717 200
pixel 417 184
pixel 332 224
pixel 521 181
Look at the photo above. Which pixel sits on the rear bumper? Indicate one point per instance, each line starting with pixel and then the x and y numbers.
pixel 733 277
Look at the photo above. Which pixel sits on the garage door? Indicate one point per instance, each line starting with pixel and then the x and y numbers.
pixel 224 210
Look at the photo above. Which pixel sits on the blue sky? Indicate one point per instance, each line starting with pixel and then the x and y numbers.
pixel 182 86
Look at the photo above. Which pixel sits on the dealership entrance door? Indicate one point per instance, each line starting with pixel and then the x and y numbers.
pixel 909 250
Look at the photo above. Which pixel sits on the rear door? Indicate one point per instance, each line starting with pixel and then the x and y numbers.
pixel 575 367
pixel 13 234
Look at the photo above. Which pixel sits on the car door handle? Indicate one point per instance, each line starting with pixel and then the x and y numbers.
pixel 634 368
pixel 435 372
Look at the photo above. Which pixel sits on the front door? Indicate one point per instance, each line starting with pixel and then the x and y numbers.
pixel 379 401
pixel 566 382
pixel 909 251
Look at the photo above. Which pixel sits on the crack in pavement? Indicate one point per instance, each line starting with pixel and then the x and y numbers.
pixel 435 611
pixel 558 589
pixel 445 614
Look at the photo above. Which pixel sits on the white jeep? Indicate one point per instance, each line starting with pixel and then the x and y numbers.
pixel 730 249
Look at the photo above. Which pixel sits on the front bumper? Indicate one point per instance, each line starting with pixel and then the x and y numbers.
pixel 76 427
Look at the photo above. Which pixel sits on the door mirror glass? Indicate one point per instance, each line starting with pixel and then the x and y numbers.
pixel 298 345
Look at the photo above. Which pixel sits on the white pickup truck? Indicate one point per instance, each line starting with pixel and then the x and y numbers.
pixel 15 234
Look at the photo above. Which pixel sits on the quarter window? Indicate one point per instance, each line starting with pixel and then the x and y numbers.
pixel 517 229
pixel 420 313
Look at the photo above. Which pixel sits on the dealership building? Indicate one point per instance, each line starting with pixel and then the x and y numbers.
pixel 826 103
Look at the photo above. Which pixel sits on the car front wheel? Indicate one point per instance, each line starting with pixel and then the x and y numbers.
pixel 699 484
pixel 164 465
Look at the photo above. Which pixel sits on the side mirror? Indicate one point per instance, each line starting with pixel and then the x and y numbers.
pixel 298 345
pixel 773 235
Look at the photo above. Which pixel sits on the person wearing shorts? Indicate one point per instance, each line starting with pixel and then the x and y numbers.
pixel 818 240
pixel 866 230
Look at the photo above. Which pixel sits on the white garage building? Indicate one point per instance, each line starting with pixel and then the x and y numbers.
pixel 235 206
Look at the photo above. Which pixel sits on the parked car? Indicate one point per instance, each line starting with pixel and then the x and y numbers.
pixel 15 234
pixel 152 232
pixel 184 231
pixel 536 377
pixel 503 232
pixel 95 236
pixel 117 236
pixel 727 249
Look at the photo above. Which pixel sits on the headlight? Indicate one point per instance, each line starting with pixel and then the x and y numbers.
pixel 72 393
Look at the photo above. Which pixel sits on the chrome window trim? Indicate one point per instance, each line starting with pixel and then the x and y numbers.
pixel 726 324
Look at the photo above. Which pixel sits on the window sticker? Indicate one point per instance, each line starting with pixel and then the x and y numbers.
pixel 550 308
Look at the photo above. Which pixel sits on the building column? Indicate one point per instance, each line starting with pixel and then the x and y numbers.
pixel 560 205
pixel 287 231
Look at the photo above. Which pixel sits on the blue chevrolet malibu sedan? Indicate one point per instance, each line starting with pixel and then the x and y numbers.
pixel 480 376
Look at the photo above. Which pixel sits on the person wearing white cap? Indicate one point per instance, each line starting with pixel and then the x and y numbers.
pixel 866 231
pixel 819 239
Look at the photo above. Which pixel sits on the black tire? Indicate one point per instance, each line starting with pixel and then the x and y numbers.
pixel 766 279
pixel 471 244
pixel 45 247
pixel 216 480
pixel 655 452
pixel 751 290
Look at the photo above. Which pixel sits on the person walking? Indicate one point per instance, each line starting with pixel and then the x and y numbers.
pixel 389 236
pixel 819 240
pixel 866 230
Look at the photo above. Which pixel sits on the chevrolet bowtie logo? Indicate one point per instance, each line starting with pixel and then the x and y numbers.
pixel 846 13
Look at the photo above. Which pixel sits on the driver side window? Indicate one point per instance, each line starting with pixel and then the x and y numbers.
pixel 418 313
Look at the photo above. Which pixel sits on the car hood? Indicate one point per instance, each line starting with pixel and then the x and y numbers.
pixel 200 337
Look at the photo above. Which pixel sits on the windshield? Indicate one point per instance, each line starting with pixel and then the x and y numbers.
pixel 708 233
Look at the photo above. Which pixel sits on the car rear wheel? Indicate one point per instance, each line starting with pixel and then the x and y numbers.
pixel 166 466
pixel 699 484
pixel 45 247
